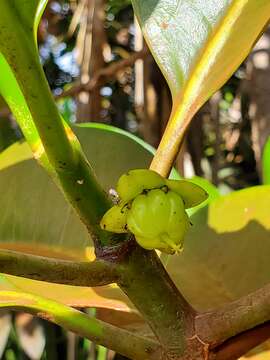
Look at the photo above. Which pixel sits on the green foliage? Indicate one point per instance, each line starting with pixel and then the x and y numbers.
pixel 230 236
pixel 196 66
pixel 223 233
pixel 181 55
pixel 58 228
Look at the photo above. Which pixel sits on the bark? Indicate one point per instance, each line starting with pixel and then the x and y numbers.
pixel 96 273
pixel 258 88
pixel 152 95
pixel 92 42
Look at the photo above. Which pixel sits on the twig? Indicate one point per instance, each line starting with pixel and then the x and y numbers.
pixel 122 341
pixel 236 317
pixel 48 135
pixel 105 74
pixel 4 112
pixel 95 273
pixel 99 79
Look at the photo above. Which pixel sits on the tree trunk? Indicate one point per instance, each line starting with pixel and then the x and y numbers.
pixel 258 88
pixel 92 42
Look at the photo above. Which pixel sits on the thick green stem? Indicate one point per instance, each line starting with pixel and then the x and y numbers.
pixel 149 287
pixel 57 140
pixel 142 277
pixel 123 342
pixel 95 273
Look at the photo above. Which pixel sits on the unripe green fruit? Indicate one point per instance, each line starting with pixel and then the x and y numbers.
pixel 135 182
pixel 158 220
pixel 115 219
pixel 153 209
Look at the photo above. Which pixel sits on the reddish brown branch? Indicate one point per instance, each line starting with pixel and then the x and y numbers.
pixel 241 344
pixel 4 112
pixel 99 79
pixel 105 74
pixel 235 318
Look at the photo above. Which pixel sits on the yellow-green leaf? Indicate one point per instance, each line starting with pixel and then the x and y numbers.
pixel 226 253
pixel 198 45
pixel 28 13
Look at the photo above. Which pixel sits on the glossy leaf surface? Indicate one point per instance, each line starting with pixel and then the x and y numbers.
pixel 189 37
pixel 216 248
pixel 198 45
pixel 226 252
pixel 53 226
pixel 53 229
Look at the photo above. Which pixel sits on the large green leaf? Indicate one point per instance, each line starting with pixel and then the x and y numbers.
pixel 226 253
pixel 26 15
pixel 35 217
pixel 188 36
pixel 25 222
pixel 29 12
pixel 266 163
pixel 54 226
pixel 230 240
pixel 198 45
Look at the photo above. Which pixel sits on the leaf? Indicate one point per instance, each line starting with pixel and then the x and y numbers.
pixel 226 252
pixel 29 12
pixel 55 230
pixel 262 356
pixel 198 45
pixel 14 97
pixel 212 191
pixel 266 163
pixel 80 297
pixel 52 229
pixel 28 15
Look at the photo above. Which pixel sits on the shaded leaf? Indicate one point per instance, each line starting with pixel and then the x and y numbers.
pixel 53 229
pixel 79 297
pixel 29 12
pixel 226 252
pixel 212 191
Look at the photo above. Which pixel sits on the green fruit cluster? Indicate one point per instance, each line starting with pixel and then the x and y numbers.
pixel 153 209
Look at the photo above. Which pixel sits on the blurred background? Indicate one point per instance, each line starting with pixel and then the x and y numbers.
pixel 100 70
